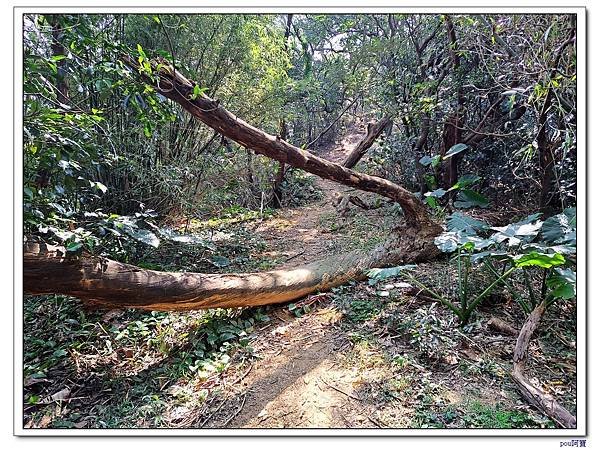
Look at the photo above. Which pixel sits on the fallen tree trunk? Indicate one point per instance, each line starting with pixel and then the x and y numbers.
pixel 172 84
pixel 104 282
pixel 538 398
pixel 101 281
pixel 374 130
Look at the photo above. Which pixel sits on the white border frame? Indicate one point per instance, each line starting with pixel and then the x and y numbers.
pixel 216 7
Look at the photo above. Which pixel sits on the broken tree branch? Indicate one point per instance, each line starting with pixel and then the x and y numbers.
pixel 178 88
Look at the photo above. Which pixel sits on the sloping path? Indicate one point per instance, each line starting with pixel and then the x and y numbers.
pixel 295 234
pixel 301 378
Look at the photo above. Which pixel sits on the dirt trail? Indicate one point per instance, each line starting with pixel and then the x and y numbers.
pixel 294 234
pixel 301 378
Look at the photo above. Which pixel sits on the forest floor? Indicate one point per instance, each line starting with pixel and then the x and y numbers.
pixel 361 356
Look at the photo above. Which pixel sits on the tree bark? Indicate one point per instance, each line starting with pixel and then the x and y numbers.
pixel 374 130
pixel 277 198
pixel 175 86
pixel 104 282
pixel 454 123
pixel 538 398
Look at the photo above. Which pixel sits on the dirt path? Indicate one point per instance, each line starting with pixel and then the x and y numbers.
pixel 296 234
pixel 301 378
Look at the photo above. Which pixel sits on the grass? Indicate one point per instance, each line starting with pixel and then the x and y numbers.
pixel 475 414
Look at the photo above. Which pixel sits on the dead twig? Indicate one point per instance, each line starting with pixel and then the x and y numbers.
pixel 294 256
pixel 239 410
pixel 340 391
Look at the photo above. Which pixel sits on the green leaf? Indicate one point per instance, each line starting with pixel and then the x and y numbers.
pixel 58 353
pixel 431 201
pixel 469 199
pixel 562 283
pixel 28 192
pixel 447 242
pixel 438 193
pixel 455 150
pixel 432 161
pixel 561 228
pixel 220 261
pixel 516 233
pixel 99 186
pixel 145 236
pixel 465 181
pixel 74 246
pixel 539 260
pixel 197 92
pixel 141 51
pixel 461 222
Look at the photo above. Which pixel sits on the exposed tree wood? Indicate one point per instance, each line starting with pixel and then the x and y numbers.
pixel 277 198
pixel 500 325
pixel 178 88
pixel 104 282
pixel 374 130
pixel 538 398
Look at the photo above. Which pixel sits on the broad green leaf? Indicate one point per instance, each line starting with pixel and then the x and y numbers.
pixel 447 242
pixel 562 283
pixel 561 228
pixel 451 240
pixel 220 261
pixel 539 259
pixel 567 274
pixel 144 236
pixel 461 222
pixel 469 199
pixel 517 233
pixel 438 193
pixel 465 181
pixel 376 274
pixel 74 246
pixel 430 161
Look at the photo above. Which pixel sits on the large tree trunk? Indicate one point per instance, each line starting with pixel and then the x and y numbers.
pixel 104 282
pixel 374 130
pixel 175 86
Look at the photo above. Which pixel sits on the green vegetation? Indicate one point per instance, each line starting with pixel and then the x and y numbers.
pixel 482 132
